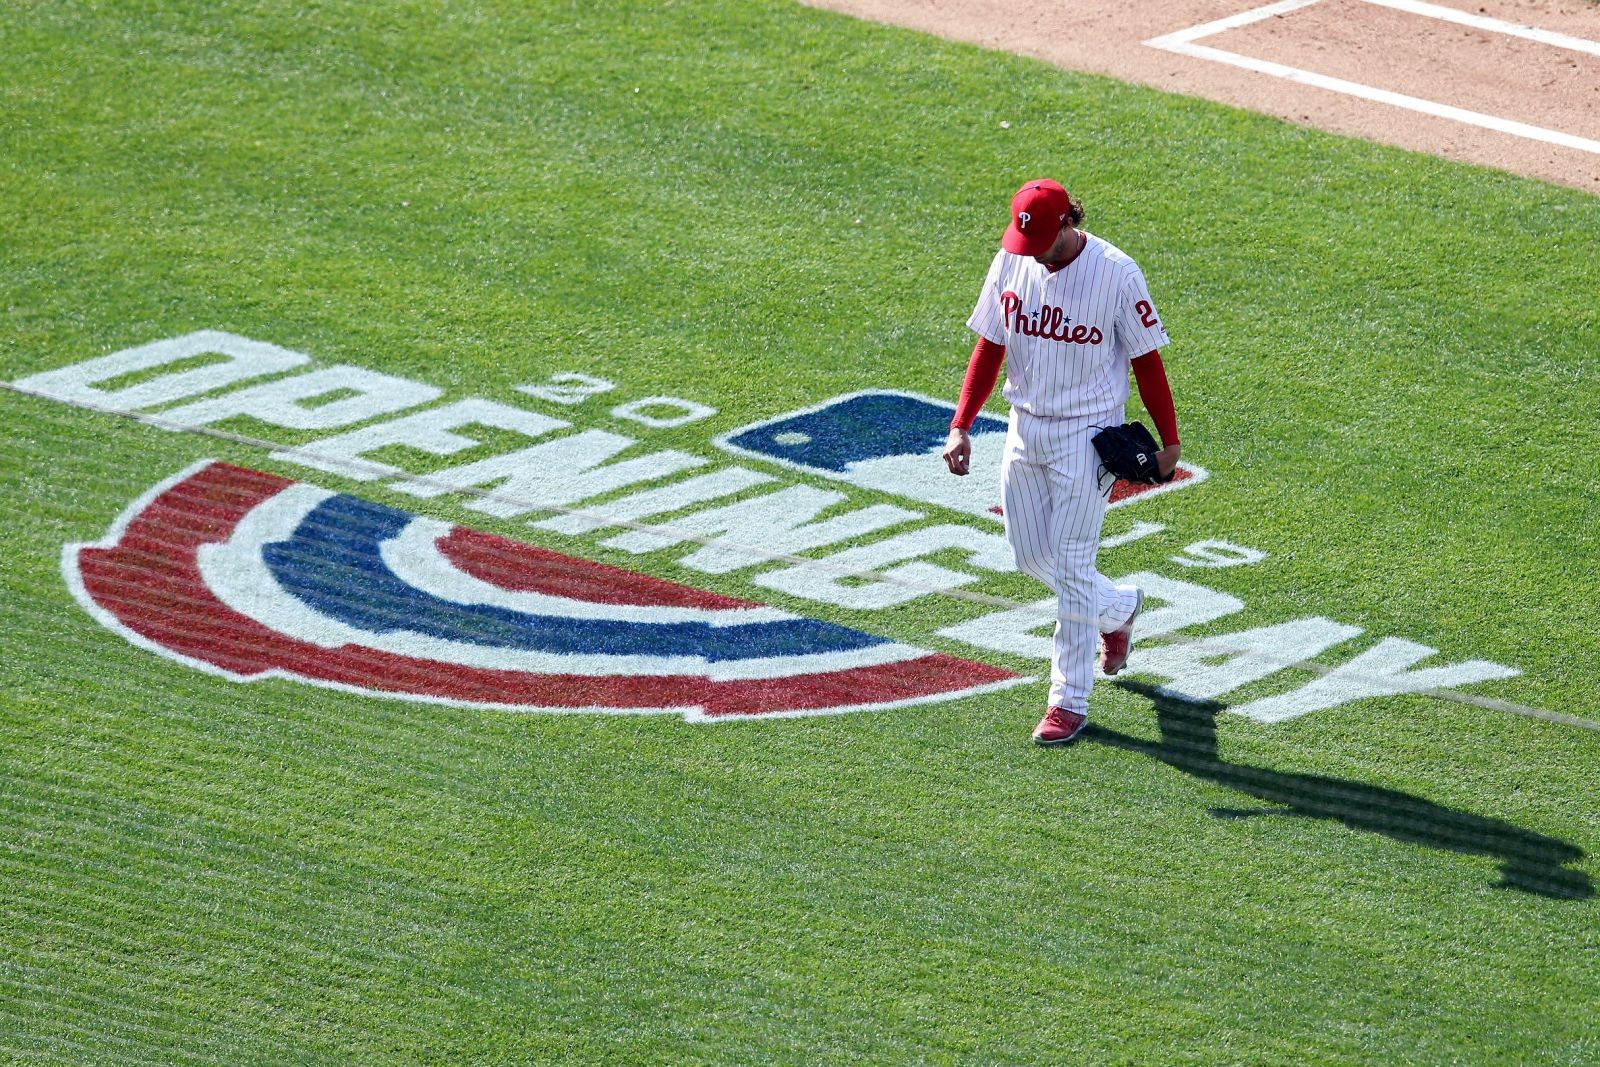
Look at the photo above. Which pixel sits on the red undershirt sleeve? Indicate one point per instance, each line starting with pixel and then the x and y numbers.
pixel 982 372
pixel 1151 374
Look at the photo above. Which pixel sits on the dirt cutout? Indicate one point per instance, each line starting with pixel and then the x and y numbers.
pixel 1398 46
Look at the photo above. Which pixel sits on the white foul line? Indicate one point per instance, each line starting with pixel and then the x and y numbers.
pixel 1183 43
pixel 1232 22
pixel 1484 22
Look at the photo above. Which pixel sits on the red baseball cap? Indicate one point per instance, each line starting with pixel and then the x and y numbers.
pixel 1038 212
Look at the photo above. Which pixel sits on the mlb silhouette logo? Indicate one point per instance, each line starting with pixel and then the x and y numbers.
pixel 893 442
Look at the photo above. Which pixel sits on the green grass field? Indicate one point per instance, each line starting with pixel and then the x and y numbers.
pixel 1385 360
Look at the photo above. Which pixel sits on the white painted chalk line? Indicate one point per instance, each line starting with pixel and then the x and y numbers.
pixel 1183 43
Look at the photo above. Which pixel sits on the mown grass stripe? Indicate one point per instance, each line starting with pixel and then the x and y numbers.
pixel 1371 351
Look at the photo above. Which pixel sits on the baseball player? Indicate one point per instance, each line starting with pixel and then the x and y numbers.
pixel 1067 313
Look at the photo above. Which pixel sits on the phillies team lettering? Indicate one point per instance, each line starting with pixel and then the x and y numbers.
pixel 1047 322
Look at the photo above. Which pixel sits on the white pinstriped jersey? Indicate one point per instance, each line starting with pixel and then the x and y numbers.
pixel 1069 335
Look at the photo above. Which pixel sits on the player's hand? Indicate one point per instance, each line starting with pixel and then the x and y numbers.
pixel 958 451
pixel 1167 459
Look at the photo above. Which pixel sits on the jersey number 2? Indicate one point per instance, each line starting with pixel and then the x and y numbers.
pixel 1147 314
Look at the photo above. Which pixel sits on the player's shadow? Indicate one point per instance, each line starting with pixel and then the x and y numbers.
pixel 1530 862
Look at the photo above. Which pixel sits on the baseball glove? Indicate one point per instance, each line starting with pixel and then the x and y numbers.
pixel 1129 452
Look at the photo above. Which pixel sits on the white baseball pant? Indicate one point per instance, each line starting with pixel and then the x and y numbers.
pixel 1054 496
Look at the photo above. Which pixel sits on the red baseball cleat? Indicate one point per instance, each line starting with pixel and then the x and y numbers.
pixel 1116 645
pixel 1059 726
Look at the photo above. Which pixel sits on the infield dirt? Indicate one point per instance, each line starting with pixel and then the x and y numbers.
pixel 1477 69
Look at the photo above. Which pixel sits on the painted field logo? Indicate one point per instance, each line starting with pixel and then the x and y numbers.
pixel 890 442
pixel 249 575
